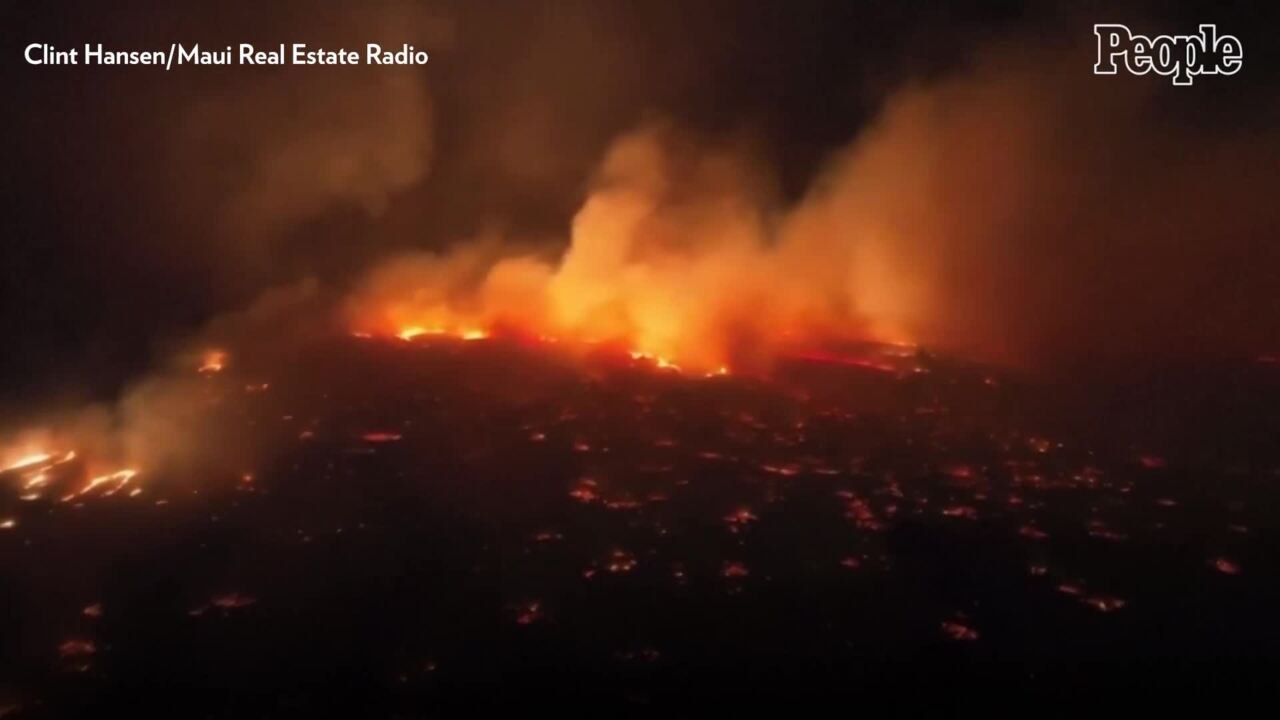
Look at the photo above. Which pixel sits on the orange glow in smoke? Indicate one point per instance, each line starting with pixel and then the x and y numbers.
pixel 414 331
pixel 24 461
pixel 670 258
pixel 32 466
pixel 469 331
pixel 214 361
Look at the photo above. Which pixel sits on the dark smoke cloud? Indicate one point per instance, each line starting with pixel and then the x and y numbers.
pixel 152 201
pixel 269 152
pixel 1025 211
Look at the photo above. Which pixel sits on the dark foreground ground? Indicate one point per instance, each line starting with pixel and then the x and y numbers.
pixel 440 526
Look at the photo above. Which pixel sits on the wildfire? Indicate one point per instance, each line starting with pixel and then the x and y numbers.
pixel 687 351
pixel 36 471
pixel 114 481
pixel 410 333
pixel 667 258
pixel 708 369
pixel 415 331
pixel 23 462
pixel 895 358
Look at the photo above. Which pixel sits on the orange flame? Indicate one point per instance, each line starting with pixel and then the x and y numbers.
pixel 670 257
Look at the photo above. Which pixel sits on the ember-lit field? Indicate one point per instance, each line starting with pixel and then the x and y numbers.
pixel 440 523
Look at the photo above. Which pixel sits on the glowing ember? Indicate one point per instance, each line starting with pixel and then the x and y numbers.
pixel 739 519
pixel 1099 530
pixel 1040 445
pixel 1103 603
pixel 958 631
pixel 214 362
pixel 785 470
pixel 1032 532
pixel 112 481
pixel 586 491
pixel 860 512
pixel 77 648
pixel 620 562
pixel 233 600
pixel 528 613
pixel 227 602
pixel 381 437
pixel 1226 566
pixel 622 503
pixel 961 511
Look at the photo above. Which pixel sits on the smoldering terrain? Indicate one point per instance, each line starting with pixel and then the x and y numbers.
pixel 442 524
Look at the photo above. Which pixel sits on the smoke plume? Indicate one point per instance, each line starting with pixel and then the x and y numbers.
pixel 1021 212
